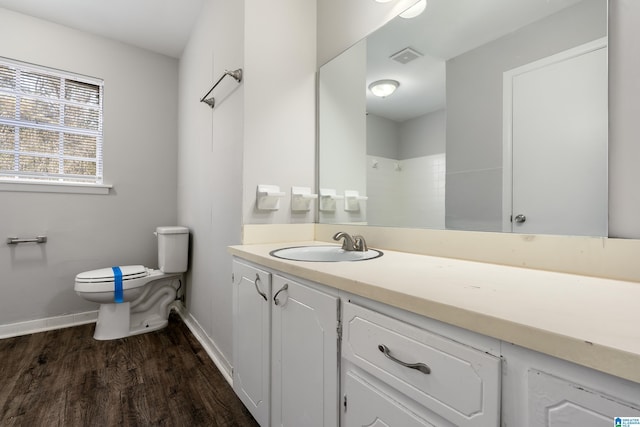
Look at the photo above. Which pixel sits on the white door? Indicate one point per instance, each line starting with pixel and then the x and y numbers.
pixel 251 339
pixel 305 356
pixel 558 128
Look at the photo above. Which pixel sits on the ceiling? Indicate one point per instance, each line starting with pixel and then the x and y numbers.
pixel 161 26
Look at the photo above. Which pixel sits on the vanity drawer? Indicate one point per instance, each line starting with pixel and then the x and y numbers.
pixel 462 384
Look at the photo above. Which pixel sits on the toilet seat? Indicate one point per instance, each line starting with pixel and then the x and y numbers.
pixel 102 280
pixel 106 274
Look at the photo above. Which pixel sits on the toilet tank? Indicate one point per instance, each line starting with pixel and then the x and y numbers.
pixel 173 249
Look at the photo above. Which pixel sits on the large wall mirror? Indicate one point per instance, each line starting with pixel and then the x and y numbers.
pixel 498 121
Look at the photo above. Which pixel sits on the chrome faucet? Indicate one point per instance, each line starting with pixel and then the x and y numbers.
pixel 355 243
pixel 347 243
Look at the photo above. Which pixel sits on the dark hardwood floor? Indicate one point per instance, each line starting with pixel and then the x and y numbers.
pixel 66 378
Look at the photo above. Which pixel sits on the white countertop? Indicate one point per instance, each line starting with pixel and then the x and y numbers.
pixel 590 321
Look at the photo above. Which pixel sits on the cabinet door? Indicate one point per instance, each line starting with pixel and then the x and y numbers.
pixel 367 405
pixel 305 356
pixel 556 402
pixel 251 339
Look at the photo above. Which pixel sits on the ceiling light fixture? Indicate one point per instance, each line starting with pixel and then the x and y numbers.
pixel 414 10
pixel 383 88
pixel 383 1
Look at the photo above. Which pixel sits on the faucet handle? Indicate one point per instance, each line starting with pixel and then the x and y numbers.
pixel 347 243
pixel 359 244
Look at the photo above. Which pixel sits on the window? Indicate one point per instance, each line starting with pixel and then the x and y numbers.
pixel 50 125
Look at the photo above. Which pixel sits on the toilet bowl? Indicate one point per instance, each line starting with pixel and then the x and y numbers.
pixel 135 299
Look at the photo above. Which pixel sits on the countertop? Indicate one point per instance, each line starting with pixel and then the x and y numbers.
pixel 590 321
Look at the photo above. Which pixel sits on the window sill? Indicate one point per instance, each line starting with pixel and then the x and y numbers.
pixel 54 187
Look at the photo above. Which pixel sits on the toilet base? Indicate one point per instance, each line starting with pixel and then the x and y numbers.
pixel 113 321
pixel 148 326
pixel 149 312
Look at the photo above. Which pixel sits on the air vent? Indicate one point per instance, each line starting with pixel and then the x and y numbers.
pixel 406 55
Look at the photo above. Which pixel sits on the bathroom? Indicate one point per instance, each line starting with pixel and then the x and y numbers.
pixel 172 160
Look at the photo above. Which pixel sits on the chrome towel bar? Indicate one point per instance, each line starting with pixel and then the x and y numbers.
pixel 236 74
pixel 16 240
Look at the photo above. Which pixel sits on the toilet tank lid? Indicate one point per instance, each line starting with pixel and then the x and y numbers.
pixel 106 274
pixel 176 229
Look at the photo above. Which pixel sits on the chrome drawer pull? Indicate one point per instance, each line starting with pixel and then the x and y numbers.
pixel 255 282
pixel 418 366
pixel 275 297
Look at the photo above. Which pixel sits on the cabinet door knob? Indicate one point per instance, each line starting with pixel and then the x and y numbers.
pixel 275 297
pixel 417 366
pixel 255 282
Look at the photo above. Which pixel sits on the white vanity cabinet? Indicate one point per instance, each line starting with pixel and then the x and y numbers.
pixel 305 351
pixel 451 383
pixel 367 403
pixel 306 354
pixel 285 359
pixel 557 402
pixel 543 391
pixel 252 339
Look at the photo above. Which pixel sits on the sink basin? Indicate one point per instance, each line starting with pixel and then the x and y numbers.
pixel 324 254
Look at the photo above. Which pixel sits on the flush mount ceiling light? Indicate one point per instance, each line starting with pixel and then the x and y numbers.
pixel 414 10
pixel 383 88
pixel 383 1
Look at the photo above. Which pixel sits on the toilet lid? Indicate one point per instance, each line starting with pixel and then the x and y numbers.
pixel 106 274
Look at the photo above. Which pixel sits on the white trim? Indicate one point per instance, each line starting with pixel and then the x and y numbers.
pixel 47 324
pixel 53 187
pixel 207 343
pixel 507 117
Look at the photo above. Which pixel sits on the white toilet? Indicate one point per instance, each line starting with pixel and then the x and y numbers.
pixel 134 299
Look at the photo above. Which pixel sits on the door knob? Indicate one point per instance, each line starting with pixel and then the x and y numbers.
pixel 520 218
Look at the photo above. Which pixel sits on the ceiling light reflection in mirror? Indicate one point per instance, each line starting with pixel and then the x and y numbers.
pixel 383 88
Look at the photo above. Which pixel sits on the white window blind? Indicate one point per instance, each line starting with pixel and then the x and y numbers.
pixel 50 124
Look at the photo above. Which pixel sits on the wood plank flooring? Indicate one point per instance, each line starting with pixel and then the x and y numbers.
pixel 66 378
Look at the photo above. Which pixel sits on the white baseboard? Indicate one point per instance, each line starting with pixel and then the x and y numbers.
pixel 207 343
pixel 47 324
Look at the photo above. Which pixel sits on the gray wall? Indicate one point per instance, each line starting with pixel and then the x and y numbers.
pixel 383 137
pixel 474 109
pixel 140 146
pixel 417 137
pixel 423 136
